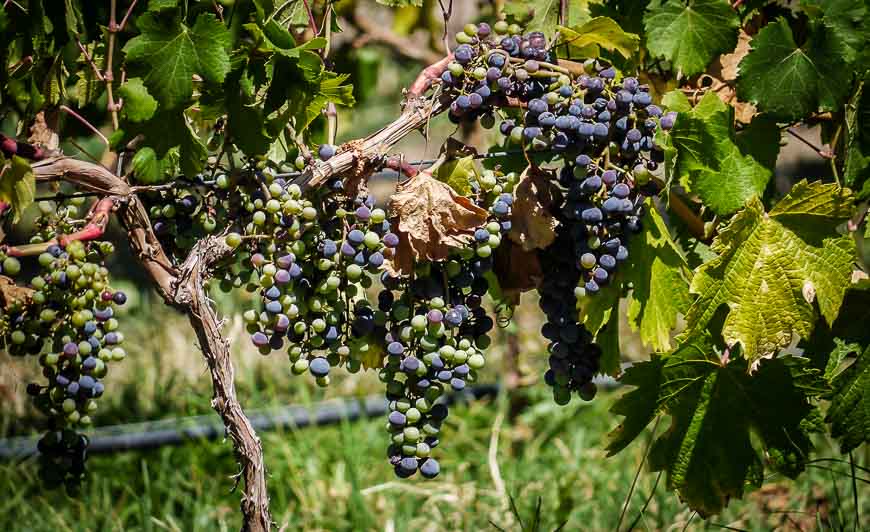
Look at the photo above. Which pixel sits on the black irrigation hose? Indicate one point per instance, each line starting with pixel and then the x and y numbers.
pixel 177 431
pixel 151 435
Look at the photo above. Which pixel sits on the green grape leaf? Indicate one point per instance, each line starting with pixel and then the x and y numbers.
pixel 828 342
pixel 848 20
pixel 691 35
pixel 601 32
pixel 760 139
pixel 857 142
pixel 544 15
pixel 656 270
pixel 17 184
pixel 163 132
pixel 149 169
pixel 159 6
pixel 710 162
pixel 849 413
pixel 168 54
pixel 772 267
pixel 245 120
pixel 608 341
pixel 458 173
pixel 639 406
pixel 138 104
pixel 721 420
pixel 303 83
pixel 791 81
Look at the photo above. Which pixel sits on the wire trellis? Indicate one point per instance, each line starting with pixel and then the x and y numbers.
pixel 183 181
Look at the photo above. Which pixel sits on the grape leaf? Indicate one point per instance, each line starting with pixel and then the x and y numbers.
pixel 791 81
pixel 431 218
pixel 601 32
pixel 303 83
pixel 772 267
pixel 857 145
pixel 163 132
pixel 848 20
pixel 17 184
pixel 709 162
pixel 849 413
pixel 721 419
pixel 138 104
pixel 532 223
pixel 458 173
pixel 660 289
pixel 158 6
pixel 168 54
pixel 761 140
pixel 544 15
pixel 691 35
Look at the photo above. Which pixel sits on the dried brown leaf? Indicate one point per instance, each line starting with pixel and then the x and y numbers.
pixel 532 225
pixel 724 73
pixel 43 134
pixel 431 218
pixel 518 270
pixel 11 294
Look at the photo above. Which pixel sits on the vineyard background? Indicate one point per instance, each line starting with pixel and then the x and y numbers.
pixel 519 446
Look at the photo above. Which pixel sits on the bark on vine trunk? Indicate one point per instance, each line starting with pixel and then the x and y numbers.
pixel 190 295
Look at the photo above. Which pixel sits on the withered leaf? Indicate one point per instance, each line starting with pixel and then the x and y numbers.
pixel 44 134
pixel 11 294
pixel 431 218
pixel 518 270
pixel 532 225
pixel 724 74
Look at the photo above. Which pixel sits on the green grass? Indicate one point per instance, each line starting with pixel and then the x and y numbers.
pixel 337 478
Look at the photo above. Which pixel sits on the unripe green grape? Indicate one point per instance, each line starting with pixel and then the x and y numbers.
pixel 233 240
pixel 354 272
pixel 418 323
pixel 500 27
pixel 476 361
pixel 515 29
pixel 378 216
pixel 300 366
pixel 273 206
pixel 494 241
pixel 45 259
pixel 309 213
pixel 371 240
pixel 465 343
pixel 479 73
pixel 484 251
pixel 118 354
pixel 464 38
pixel 455 69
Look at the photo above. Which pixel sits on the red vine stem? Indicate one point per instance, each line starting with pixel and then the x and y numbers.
pixel 98 220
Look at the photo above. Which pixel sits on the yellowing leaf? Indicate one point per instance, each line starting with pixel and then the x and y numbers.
pixel 600 32
pixel 767 262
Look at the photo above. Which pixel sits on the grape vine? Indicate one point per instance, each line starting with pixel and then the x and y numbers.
pixel 626 170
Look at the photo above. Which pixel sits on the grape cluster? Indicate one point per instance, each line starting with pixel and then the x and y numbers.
pixel 71 310
pixel 182 215
pixel 573 357
pixel 313 259
pixel 602 128
pixel 438 331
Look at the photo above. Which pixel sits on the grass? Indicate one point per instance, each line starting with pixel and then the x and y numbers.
pixel 337 478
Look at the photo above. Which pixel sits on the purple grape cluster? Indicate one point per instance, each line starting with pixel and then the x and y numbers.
pixel 573 357
pixel 72 309
pixel 438 331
